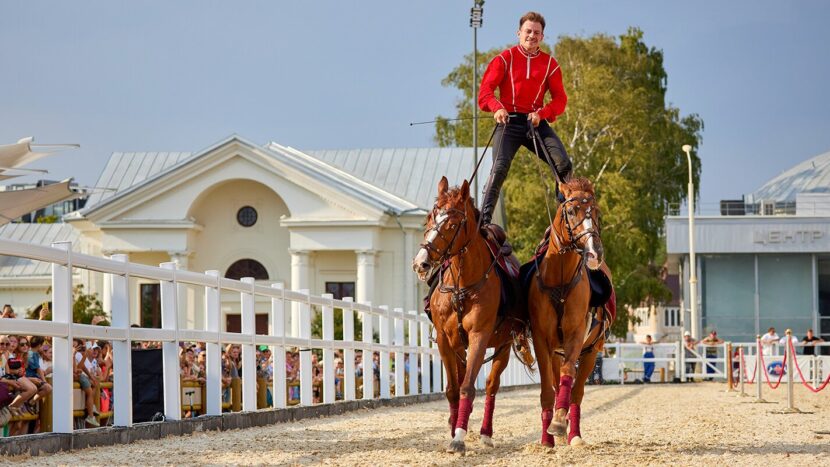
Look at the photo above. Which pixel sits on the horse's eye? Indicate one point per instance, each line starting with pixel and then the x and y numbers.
pixel 453 226
pixel 571 211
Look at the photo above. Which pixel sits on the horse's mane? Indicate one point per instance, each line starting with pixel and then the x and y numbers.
pixel 580 184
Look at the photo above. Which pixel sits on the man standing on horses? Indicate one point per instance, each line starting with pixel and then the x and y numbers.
pixel 523 75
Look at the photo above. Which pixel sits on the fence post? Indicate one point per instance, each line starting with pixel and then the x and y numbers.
pixel 306 371
pixel 213 362
pixel 328 353
pixel 426 365
pixel 278 324
pixel 368 355
pixel 678 361
pixel 122 376
pixel 383 358
pixel 413 356
pixel 437 370
pixel 249 362
pixel 790 368
pixel 348 352
pixel 170 350
pixel 62 348
pixel 759 367
pixel 727 363
pixel 400 379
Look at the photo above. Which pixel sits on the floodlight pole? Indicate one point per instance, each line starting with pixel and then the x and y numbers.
pixel 476 21
pixel 693 308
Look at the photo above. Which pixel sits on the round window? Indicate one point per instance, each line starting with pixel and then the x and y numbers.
pixel 246 216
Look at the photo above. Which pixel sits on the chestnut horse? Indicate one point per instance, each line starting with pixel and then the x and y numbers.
pixel 559 307
pixel 465 308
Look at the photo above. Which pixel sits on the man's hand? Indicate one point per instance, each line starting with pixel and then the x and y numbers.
pixel 501 116
pixel 534 118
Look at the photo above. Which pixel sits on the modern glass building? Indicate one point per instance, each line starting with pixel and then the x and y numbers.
pixel 763 260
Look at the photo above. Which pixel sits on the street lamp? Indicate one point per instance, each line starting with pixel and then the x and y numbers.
pixel 693 309
pixel 476 21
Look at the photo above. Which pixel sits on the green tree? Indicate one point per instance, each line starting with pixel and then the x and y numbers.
pixel 50 219
pixel 620 133
pixel 317 325
pixel 85 307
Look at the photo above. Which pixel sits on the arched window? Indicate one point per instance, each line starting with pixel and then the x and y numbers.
pixel 247 268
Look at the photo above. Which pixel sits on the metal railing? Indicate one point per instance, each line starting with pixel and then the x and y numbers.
pixel 425 369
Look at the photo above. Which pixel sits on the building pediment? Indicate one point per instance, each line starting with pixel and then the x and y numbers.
pixel 310 191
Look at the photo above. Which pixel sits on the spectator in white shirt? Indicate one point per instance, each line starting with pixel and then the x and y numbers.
pixel 769 340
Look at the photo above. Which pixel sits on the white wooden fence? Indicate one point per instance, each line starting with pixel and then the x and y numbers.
pixel 424 362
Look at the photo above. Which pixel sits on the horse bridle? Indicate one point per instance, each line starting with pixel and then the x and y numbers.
pixel 443 256
pixel 558 293
pixel 595 229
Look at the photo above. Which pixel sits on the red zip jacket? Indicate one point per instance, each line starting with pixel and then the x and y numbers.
pixel 522 80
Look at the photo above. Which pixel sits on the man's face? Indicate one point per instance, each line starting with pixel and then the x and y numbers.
pixel 531 35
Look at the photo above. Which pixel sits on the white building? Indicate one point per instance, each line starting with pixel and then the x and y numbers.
pixel 347 222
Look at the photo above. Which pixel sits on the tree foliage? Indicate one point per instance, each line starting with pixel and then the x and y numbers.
pixel 85 307
pixel 620 133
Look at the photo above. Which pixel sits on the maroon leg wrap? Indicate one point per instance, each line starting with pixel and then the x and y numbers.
pixel 547 416
pixel 563 396
pixel 465 408
pixel 453 417
pixel 573 418
pixel 487 422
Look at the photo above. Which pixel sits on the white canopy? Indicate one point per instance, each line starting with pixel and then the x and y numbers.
pixel 14 156
pixel 16 203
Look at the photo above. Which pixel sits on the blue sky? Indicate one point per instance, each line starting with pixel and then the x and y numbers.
pixel 179 76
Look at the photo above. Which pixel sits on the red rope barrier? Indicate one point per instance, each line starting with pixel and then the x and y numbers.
pixel 803 379
pixel 754 370
pixel 780 377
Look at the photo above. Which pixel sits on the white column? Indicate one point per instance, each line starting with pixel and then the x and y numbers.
pixel 62 346
pixel 300 279
pixel 117 289
pixel 365 287
pixel 410 299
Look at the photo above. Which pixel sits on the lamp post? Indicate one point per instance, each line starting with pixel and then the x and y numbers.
pixel 693 308
pixel 476 21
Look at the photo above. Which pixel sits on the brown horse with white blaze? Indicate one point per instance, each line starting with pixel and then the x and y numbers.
pixel 560 312
pixel 465 308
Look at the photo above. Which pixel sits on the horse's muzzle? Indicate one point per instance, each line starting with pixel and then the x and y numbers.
pixel 421 265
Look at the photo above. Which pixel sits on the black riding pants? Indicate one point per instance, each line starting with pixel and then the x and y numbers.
pixel 506 142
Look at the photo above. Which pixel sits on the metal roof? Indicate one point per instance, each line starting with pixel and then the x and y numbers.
pixel 127 169
pixel 810 176
pixel 410 173
pixel 39 234
pixel 398 179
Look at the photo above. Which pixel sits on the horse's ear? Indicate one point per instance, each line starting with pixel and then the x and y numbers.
pixel 465 190
pixel 443 185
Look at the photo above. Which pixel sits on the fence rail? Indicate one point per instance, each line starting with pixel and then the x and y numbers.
pixel 424 365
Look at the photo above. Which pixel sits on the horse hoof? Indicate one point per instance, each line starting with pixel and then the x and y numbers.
pixel 578 441
pixel 487 441
pixel 557 428
pixel 548 445
pixel 457 447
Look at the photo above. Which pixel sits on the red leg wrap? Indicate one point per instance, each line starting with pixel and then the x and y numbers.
pixel 547 416
pixel 573 419
pixel 487 422
pixel 453 417
pixel 465 408
pixel 563 396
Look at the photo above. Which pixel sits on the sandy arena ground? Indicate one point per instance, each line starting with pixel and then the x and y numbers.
pixel 688 424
